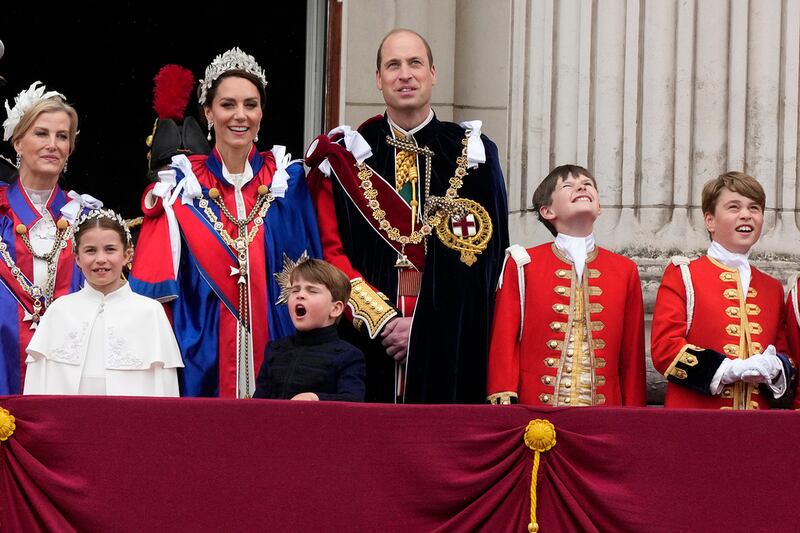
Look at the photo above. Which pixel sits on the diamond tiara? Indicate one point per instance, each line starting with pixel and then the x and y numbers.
pixel 102 213
pixel 233 59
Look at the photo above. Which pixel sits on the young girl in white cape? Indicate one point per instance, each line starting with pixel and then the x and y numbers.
pixel 103 339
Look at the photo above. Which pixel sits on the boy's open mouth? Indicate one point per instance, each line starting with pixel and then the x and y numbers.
pixel 299 310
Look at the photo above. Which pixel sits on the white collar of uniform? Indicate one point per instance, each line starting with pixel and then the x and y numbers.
pixel 237 180
pixel 732 260
pixel 576 249
pixel 94 294
pixel 413 130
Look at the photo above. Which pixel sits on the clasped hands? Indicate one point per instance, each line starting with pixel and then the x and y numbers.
pixel 758 368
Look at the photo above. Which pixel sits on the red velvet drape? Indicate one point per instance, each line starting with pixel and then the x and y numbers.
pixel 129 464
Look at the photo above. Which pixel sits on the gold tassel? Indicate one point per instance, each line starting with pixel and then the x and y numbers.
pixel 540 436
pixel 7 425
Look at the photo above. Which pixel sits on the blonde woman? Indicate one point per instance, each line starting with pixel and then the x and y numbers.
pixel 36 264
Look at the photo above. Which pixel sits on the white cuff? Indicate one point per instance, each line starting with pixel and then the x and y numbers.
pixel 716 382
pixel 189 185
pixel 325 168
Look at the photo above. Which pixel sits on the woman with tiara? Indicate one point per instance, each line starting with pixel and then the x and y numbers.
pixel 218 232
pixel 36 264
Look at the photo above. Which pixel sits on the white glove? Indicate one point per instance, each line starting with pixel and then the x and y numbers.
pixel 731 370
pixel 763 367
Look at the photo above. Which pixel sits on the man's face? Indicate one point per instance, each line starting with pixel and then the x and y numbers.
pixel 405 77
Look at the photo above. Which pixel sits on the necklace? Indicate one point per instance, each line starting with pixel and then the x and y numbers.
pixel 240 245
pixel 41 296
pixel 437 208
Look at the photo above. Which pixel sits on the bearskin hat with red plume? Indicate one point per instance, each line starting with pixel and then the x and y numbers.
pixel 173 133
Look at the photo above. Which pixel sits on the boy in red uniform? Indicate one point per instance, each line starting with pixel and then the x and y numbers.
pixel 718 325
pixel 569 321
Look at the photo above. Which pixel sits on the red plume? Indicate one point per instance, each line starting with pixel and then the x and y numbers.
pixel 173 87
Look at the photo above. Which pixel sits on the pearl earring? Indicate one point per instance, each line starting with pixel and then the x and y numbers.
pixel 210 125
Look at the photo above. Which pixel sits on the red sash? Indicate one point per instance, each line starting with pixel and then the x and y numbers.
pixel 398 212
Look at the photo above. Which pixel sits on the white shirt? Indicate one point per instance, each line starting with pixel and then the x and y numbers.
pixel 415 129
pixel 238 181
pixel 120 344
pixel 732 260
pixel 576 249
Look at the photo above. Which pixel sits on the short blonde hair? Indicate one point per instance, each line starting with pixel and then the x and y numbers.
pixel 47 105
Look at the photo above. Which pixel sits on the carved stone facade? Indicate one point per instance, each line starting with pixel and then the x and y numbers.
pixel 654 97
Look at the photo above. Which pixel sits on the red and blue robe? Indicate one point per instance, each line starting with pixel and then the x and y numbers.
pixel 15 304
pixel 202 295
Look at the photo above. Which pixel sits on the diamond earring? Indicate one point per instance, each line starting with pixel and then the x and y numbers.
pixel 64 171
pixel 19 160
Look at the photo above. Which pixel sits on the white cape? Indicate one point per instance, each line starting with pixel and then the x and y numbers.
pixel 139 349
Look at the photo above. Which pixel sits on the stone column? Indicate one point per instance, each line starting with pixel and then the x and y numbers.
pixel 655 97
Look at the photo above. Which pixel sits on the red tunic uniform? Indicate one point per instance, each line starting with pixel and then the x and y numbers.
pixel 544 364
pixel 724 320
pixel 793 321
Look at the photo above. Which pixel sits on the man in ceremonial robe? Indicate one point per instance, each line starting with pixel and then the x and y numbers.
pixel 414 211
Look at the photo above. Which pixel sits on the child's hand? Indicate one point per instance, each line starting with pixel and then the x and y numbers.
pixel 307 396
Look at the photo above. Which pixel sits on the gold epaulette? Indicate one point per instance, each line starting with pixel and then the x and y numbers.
pixel 502 398
pixel 370 308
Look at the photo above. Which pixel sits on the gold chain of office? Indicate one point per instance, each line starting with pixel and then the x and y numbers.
pixel 433 204
pixel 438 209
